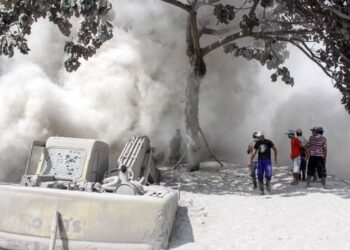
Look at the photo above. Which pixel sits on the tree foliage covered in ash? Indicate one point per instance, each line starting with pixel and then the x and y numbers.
pixel 17 17
pixel 330 21
pixel 253 29
pixel 260 29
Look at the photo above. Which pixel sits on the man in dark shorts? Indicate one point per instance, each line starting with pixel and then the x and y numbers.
pixel 263 148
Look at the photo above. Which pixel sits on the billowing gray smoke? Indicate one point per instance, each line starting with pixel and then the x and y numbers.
pixel 246 102
pixel 135 86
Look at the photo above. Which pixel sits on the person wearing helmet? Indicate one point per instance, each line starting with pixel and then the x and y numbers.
pixel 263 148
pixel 319 130
pixel 317 155
pixel 295 156
pixel 303 143
pixel 254 162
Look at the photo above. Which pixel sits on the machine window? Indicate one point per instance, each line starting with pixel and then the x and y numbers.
pixel 64 162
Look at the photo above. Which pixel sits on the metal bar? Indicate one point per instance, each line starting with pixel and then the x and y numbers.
pixel 29 158
pixel 54 227
pixel 35 143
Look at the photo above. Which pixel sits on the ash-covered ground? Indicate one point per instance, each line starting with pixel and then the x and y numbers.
pixel 219 209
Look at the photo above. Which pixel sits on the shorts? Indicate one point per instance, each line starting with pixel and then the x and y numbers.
pixel 296 165
pixel 302 164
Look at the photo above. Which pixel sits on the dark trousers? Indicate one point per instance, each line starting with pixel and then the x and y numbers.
pixel 264 169
pixel 302 164
pixel 316 163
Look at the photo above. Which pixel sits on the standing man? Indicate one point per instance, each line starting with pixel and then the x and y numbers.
pixel 295 156
pixel 317 155
pixel 303 143
pixel 254 162
pixel 175 147
pixel 263 147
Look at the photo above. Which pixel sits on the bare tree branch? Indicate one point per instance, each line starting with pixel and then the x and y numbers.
pixel 313 59
pixel 257 35
pixel 176 3
pixel 307 53
pixel 207 144
pixel 347 59
pixel 223 41
pixel 206 2
pixel 209 31
pixel 181 160
pixel 209 1
pixel 253 8
pixel 195 32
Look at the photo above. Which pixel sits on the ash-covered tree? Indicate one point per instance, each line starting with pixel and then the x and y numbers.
pixel 17 17
pixel 260 30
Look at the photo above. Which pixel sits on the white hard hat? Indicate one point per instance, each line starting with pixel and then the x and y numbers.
pixel 260 133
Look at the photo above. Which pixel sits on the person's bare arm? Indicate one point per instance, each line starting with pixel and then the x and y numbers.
pixel 252 157
pixel 250 149
pixel 307 150
pixel 275 153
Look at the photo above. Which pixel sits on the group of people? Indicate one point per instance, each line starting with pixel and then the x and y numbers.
pixel 308 158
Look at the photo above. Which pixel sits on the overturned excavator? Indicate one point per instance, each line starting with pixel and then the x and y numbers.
pixel 75 201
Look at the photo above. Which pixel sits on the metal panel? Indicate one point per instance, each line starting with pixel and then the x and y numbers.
pixel 95 217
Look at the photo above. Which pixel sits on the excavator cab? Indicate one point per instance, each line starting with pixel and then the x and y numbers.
pixel 73 202
pixel 68 159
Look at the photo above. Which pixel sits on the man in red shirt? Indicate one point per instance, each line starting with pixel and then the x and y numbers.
pixel 295 156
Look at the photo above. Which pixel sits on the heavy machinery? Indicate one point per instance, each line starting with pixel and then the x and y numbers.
pixel 74 200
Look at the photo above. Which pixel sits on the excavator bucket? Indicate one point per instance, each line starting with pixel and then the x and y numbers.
pixel 67 204
pixel 87 220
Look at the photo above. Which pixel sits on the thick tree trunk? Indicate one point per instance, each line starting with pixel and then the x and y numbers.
pixel 197 71
pixel 191 120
